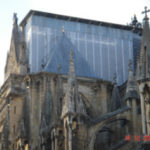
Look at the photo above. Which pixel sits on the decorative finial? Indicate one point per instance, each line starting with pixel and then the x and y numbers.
pixel 130 65
pixel 63 29
pixel 115 78
pixel 15 19
pixel 135 17
pixel 145 12
pixel 134 22
pixel 59 68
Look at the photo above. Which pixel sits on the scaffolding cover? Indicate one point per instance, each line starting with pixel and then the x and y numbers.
pixel 99 51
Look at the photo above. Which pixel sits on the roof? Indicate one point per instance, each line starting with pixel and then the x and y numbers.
pixel 75 19
pixel 60 50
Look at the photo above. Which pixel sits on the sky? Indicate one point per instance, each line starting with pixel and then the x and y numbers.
pixel 114 11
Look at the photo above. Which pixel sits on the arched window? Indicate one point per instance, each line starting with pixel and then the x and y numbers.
pixel 103 139
pixel 111 135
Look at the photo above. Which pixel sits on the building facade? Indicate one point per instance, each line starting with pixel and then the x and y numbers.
pixel 76 84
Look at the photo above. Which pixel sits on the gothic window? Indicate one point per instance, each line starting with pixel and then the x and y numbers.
pixel 61 101
pixel 74 124
pixel 27 84
pixel 38 85
pixel 111 135
pixel 102 140
pixel 60 140
pixel 146 93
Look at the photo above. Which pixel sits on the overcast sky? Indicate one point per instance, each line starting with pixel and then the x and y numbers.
pixel 114 11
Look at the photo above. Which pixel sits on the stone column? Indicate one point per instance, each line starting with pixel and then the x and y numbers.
pixel 128 103
pixel 70 136
pixel 26 147
pixel 143 113
pixel 66 137
pixel 56 141
pixel 53 143
pixel 22 146
pixel 134 115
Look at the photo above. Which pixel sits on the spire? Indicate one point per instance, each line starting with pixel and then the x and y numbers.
pixel 134 21
pixel 15 26
pixel 59 68
pixel 69 101
pixel 146 29
pixel 15 19
pixel 71 67
pixel 115 79
pixel 116 100
pixel 130 77
pixel 16 60
pixel 145 12
pixel 15 37
pixel 135 24
pixel 131 89
pixel 144 62
pixel 72 102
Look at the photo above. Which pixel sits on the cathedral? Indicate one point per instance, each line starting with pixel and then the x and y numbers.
pixel 76 84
